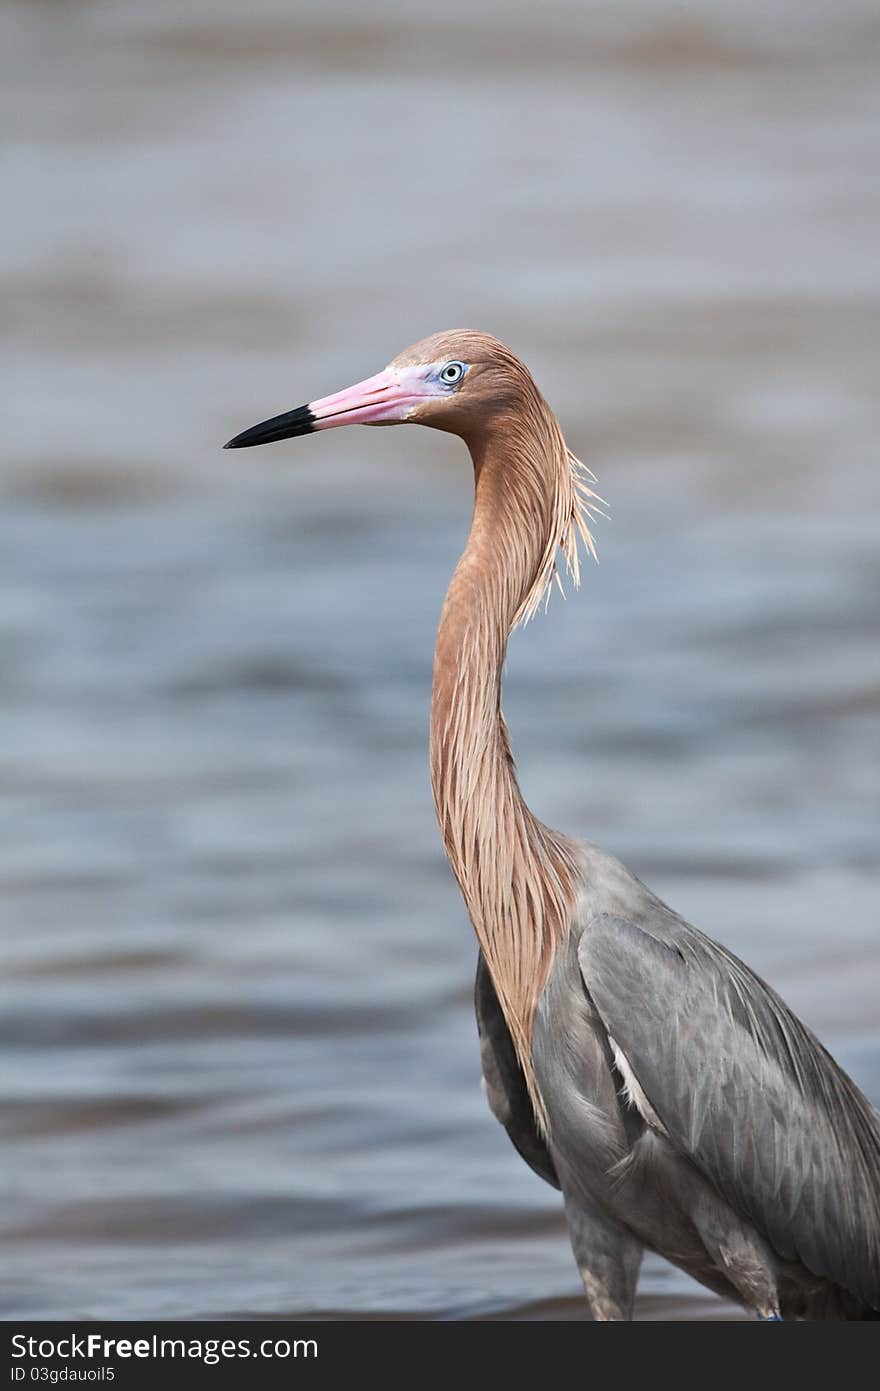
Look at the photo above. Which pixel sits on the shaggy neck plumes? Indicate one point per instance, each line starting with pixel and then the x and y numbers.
pixel 517 876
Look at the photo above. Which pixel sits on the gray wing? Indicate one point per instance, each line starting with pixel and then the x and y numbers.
pixel 505 1085
pixel 745 1090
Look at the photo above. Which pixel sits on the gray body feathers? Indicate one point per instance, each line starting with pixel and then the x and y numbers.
pixel 689 1111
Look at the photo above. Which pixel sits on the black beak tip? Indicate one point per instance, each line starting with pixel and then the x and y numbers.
pixel 280 427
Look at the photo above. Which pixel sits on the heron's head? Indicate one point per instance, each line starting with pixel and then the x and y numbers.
pixel 459 380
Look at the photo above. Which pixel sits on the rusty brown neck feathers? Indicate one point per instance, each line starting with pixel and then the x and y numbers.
pixel 517 876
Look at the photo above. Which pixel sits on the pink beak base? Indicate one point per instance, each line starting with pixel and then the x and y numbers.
pixel 385 399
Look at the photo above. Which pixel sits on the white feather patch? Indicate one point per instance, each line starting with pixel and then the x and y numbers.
pixel 632 1091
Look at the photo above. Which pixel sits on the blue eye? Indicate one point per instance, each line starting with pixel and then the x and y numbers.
pixel 452 373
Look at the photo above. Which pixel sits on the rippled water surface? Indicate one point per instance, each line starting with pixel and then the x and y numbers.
pixel 241 1067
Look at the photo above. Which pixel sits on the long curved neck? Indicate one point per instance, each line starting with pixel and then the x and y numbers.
pixel 517 876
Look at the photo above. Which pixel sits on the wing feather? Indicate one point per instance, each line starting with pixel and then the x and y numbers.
pixel 745 1090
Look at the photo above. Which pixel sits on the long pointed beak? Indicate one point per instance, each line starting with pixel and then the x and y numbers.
pixel 385 399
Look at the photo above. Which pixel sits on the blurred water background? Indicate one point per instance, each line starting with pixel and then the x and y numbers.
pixel 241 1072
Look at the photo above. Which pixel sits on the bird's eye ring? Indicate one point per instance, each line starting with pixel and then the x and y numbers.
pixel 452 373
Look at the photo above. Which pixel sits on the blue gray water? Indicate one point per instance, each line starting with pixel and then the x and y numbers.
pixel 241 1072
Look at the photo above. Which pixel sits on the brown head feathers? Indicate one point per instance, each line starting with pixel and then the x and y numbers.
pixel 532 500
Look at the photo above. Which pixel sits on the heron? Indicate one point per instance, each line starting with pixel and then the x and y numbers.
pixel 636 1064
